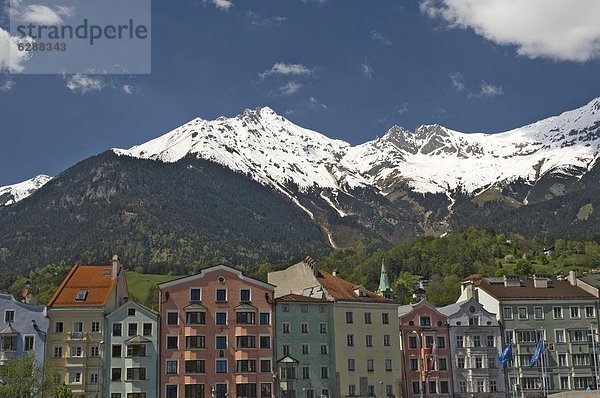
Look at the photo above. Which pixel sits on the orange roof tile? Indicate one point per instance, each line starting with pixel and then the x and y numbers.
pixel 95 278
pixel 341 289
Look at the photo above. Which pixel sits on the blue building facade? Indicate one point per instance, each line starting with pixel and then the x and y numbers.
pixel 23 329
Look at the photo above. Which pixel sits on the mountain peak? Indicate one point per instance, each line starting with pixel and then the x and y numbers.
pixel 16 192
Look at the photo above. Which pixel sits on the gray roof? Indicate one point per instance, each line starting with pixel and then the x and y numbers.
pixel 404 309
pixel 452 309
pixel 591 279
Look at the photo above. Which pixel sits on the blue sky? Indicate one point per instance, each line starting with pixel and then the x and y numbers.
pixel 347 68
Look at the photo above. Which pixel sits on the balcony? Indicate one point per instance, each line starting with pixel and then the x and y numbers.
pixel 76 335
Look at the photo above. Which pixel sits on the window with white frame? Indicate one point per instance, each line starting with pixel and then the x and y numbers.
pixel 9 316
pixel 557 312
pixel 75 377
pixel 538 313
pixel 28 342
pixel 590 312
pixel 575 312
pixel 522 311
pixel 507 313
pixel 195 294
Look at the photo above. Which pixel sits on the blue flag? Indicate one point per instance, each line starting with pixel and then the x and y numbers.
pixel 506 355
pixel 538 351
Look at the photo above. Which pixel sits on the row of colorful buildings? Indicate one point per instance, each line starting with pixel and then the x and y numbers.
pixel 306 333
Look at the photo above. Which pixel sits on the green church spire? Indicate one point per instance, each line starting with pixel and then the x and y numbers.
pixel 384 282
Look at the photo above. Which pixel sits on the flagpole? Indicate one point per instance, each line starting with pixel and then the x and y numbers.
pixel 543 370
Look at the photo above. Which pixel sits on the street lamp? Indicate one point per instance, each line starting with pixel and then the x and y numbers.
pixel 593 335
pixel 37 329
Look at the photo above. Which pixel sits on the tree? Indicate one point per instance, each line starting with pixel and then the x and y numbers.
pixel 63 391
pixel 523 267
pixel 23 377
pixel 151 300
pixel 443 290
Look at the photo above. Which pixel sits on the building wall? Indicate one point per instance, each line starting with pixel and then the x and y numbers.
pixel 23 315
pixel 576 369
pixel 414 335
pixel 131 313
pixel 382 380
pixel 479 332
pixel 72 352
pixel 294 315
pixel 176 295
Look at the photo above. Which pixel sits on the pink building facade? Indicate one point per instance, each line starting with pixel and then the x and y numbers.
pixel 217 336
pixel 425 346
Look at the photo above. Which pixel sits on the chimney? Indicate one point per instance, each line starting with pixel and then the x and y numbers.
pixel 540 282
pixel 512 281
pixel 572 278
pixel 470 291
pixel 335 272
pixel 116 265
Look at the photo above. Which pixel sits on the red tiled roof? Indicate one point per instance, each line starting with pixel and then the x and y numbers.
pixel 472 278
pixel 292 297
pixel 95 278
pixel 343 290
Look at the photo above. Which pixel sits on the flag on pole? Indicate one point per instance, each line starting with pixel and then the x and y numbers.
pixel 506 355
pixel 538 351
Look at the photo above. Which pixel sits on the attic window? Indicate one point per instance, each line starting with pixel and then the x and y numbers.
pixel 81 295
pixel 106 271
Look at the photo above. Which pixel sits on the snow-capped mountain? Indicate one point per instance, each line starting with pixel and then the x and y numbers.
pixel 14 193
pixel 257 188
pixel 432 159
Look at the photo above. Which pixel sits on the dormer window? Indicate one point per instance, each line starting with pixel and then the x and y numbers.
pixel 360 291
pixel 81 295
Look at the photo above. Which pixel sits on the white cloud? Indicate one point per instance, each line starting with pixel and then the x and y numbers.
pixel 127 89
pixel 380 38
pixel 402 109
pixel 485 89
pixel 224 5
pixel 11 59
pixel 7 85
pixel 315 103
pixel 44 15
pixel 84 83
pixel 490 90
pixel 282 68
pixel 457 81
pixel 289 88
pixel 367 70
pixel 259 20
pixel 557 29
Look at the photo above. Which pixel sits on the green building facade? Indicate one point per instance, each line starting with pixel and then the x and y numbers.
pixel 131 357
pixel 304 346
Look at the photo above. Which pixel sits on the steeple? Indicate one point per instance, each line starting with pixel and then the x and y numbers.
pixel 384 283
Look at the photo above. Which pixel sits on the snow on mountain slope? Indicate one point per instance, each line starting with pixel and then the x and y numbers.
pixel 14 193
pixel 259 142
pixel 434 158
